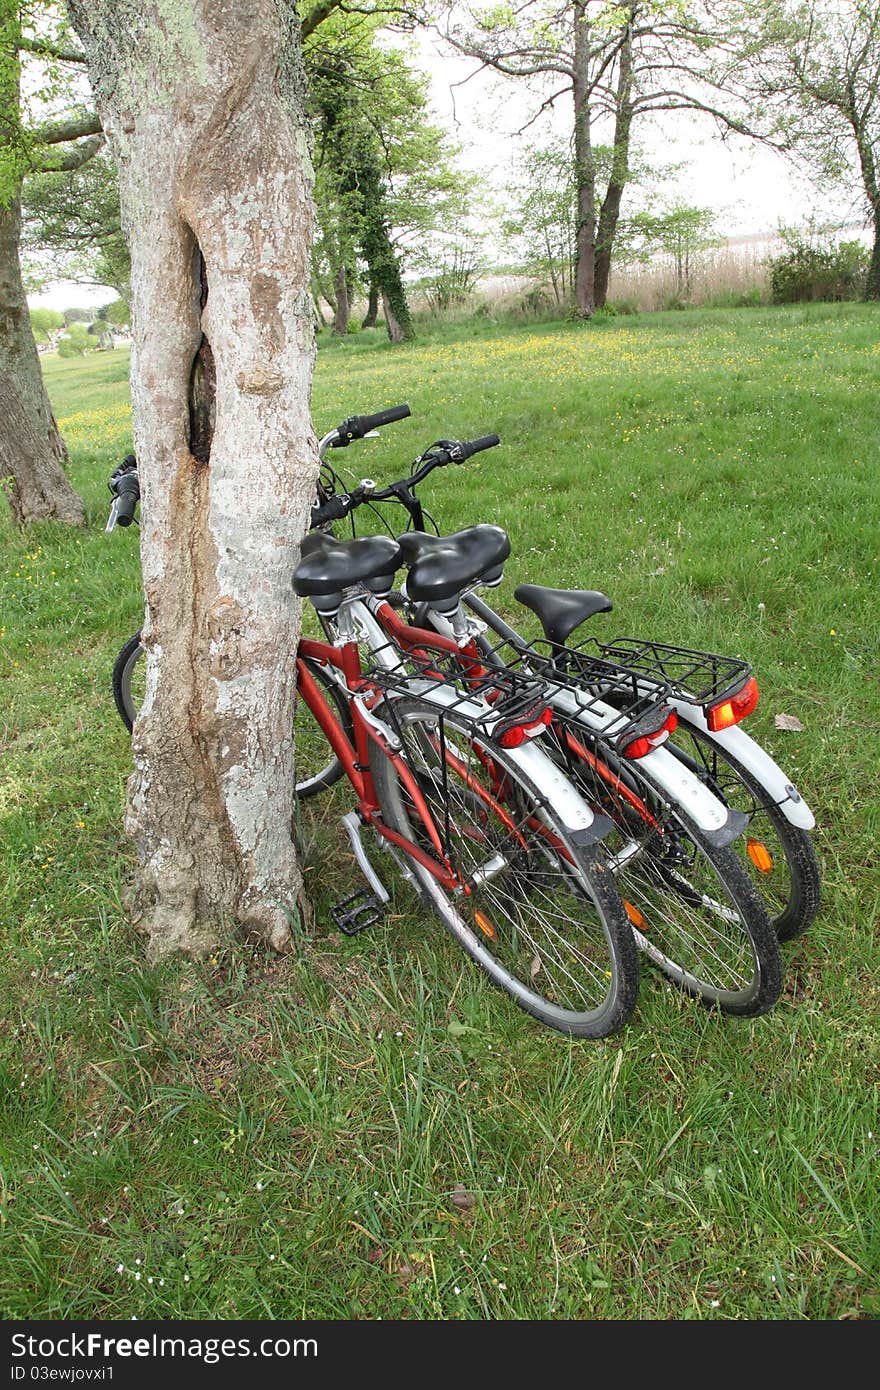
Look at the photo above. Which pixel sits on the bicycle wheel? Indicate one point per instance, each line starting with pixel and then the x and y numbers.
pixel 129 673
pixel 315 771
pixel 317 767
pixel 537 912
pixel 693 910
pixel 778 857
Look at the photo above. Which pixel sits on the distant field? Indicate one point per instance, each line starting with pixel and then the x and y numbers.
pixel 250 1137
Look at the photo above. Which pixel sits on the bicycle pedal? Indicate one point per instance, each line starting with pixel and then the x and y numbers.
pixel 358 911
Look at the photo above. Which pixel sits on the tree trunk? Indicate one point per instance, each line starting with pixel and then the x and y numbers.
pixel 585 169
pixel 343 309
pixel 395 328
pixel 205 119
pixel 372 313
pixel 385 266
pixel 609 214
pixel 31 448
pixel 872 287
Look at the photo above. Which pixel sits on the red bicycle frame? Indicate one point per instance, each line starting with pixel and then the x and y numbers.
pixel 355 756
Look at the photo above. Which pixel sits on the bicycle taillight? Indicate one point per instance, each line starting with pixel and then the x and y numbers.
pixel 730 711
pixel 518 733
pixel 646 742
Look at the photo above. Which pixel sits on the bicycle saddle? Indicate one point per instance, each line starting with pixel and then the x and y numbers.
pixel 441 566
pixel 328 565
pixel 560 611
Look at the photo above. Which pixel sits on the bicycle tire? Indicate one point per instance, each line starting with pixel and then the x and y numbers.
pixel 694 911
pixel 536 905
pixel 308 735
pixel 124 668
pixel 791 886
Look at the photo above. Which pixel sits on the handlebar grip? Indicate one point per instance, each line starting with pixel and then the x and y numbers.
pixel 356 426
pixel 385 417
pixel 128 494
pixel 335 508
pixel 476 446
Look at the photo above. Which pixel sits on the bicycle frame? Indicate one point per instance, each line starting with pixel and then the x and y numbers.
pixel 355 759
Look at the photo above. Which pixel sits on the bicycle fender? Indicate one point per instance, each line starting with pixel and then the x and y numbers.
pixel 587 826
pixel 671 777
pixel 756 762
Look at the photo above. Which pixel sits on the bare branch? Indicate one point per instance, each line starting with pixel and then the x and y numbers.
pixel 73 158
pixel 44 49
pixel 71 128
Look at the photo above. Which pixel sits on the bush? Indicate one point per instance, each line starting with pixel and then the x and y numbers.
pixel 810 271
pixel 622 306
pixel 76 342
pixel 736 299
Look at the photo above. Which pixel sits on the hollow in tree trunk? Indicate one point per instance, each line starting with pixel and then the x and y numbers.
pixel 205 119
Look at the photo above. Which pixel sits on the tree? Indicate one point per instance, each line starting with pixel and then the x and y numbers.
pixel 34 453
pixel 203 106
pixel 543 224
pixel 76 341
pixel 356 91
pixel 45 323
pixel 681 232
pixel 619 61
pixel 819 73
pixel 72 225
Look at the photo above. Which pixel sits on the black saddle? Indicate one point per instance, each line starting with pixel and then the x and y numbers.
pixel 327 565
pixel 441 566
pixel 562 610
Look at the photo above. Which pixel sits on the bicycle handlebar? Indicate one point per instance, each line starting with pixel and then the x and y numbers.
pixel 128 494
pixel 441 453
pixel 356 426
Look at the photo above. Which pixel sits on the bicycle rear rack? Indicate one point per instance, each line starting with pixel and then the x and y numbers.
pixel 509 685
pixel 701 678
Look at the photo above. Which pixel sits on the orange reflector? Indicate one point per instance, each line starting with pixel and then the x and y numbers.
pixel 485 925
pixel 731 711
pixel 635 916
pixel 760 856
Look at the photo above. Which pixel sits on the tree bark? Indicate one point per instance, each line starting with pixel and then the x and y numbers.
pixel 343 308
pixel 585 169
pixel 204 116
pixel 609 214
pixel 872 287
pixel 31 449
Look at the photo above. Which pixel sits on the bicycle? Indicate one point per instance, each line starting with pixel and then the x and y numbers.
pixel 661 817
pixel 691 908
pixel 710 694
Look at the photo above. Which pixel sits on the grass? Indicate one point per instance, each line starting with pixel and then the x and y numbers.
pixel 363 1128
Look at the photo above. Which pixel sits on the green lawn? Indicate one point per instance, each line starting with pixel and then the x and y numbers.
pixel 255 1137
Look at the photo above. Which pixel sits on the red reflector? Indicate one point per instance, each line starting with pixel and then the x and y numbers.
pixel 640 746
pixel 518 733
pixel 729 712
